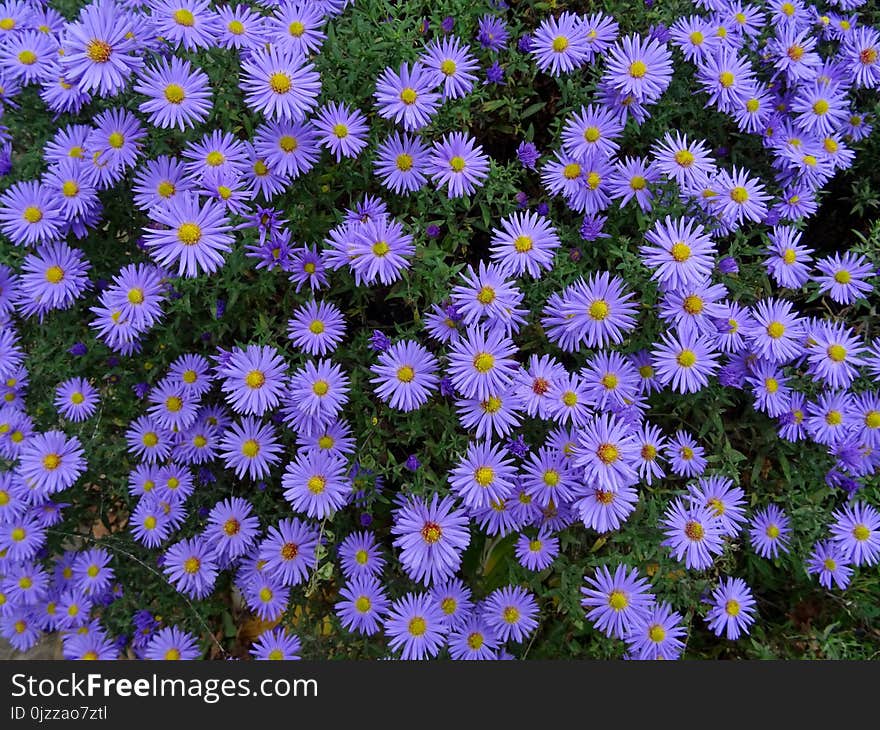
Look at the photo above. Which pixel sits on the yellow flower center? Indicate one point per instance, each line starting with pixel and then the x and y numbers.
pixel 32 214
pixel 739 195
pixel 28 58
pixel 872 419
pixel 174 93
pixel 510 614
pixel 408 96
pixel 340 131
pixel 837 353
pixel 868 56
pixel 280 82
pixel 491 405
pixel 77 398
pixel 820 107
pixel 255 379
pixel 457 163
pixel 609 381
pixel 551 477
pixel 316 484
pixel 649 452
pixel 70 188
pixel 116 140
pixel 608 453
pixel 484 362
pixel 448 67
pixel 150 439
pixel 796 52
pixel 569 398
pixel 215 158
pixel 638 69
pixel 834 418
pixel 656 633
pixel 732 607
pixel 189 234
pixel 599 310
pixel 843 277
pixel 775 330
pixel 618 600
pixel 484 476
pixel 362 604
pixel 522 244
pixel 772 532
pixel 406 374
pixel 594 180
pixel 296 28
pixel 475 641
pixel 381 248
pixel 417 626
pixel 692 304
pixel 861 533
pixel 250 448
pixel 404 162
pixel 560 43
pixel 320 387
pixel 637 182
pixel 571 171
pixel 184 17
pixel 771 384
pixel 486 295
pixel 51 462
pixel 431 532
pixel 726 79
pixel 54 274
pixel 236 27
pixel 192 565
pixel 680 251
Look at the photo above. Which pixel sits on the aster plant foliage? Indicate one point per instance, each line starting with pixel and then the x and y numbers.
pixel 471 330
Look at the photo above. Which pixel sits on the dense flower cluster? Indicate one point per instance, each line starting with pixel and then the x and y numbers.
pixel 783 73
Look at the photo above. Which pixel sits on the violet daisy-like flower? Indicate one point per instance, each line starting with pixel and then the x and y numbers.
pixel 693 534
pixel 473 640
pixel 511 612
pixel 857 531
pixel 30 56
pixel 280 83
pixel 407 96
pixel 615 603
pixel 232 527
pixel 289 551
pixel 240 27
pixel 788 262
pixel 362 606
pixel 775 333
pixel 829 561
pixel 316 483
pixel 458 163
pixel 739 197
pixel 188 23
pixel 380 251
pixel 179 95
pixel 481 362
pixel 30 213
pixel 250 447
pixel 725 76
pixel 598 311
pixel 861 54
pixel 496 415
pixel 296 27
pixel 685 361
pixel 487 295
pixel 844 277
pixel 689 163
pixel 52 278
pixel 406 375
pixel 359 555
pixel 483 475
pixel 172 643
pixel 680 253
pixel 415 627
pixel 606 452
pixel 732 609
pixel 721 496
pixel 431 537
pixel 686 456
pixel 833 354
pixel 524 243
pixel 76 399
pixel 319 389
pixel 343 130
pixel 196 236
pixel 537 553
pixel 560 44
pixel 594 130
pixel 492 32
pixel 191 568
pixel 51 462
pixel 401 163
pixel 159 181
pixel 276 644
pixel 769 532
pixel 453 64
pixel 639 67
pixel 656 635
pixel 316 328
pixel 253 379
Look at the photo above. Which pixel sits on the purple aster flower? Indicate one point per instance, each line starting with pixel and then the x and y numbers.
pixel 241 28
pixel 289 551
pixel 861 54
pixel 51 462
pixel 686 457
pixel 380 251
pixel 495 415
pixel 495 74
pixel 76 399
pixel 30 213
pixel 597 312
pixel 718 494
pixel 190 566
pixel 406 374
pixel 179 95
pixel 688 163
pixel 412 463
pixel 739 197
pixel 52 278
pixel 680 252
pixel 525 242
pixel 511 612
pixel 685 361
pixel 343 130
pixel 483 475
pixel 459 164
pixel 657 635
pixel 362 606
pixel 829 561
pixel 640 68
pixel 789 261
pixel 250 447
pixel 537 553
pixel 280 83
pixel 560 45
pixel 481 363
pixel 415 626
pixel 492 33
pixel 172 643
pixel 693 534
pixel 732 609
pixel 776 333
pixel 833 354
pixel 857 531
pixel 379 341
pixel 616 603
pixel 473 640
pixel 604 510
pixel 528 155
pixel 606 451
pixel 408 96
pixel 453 64
pixel 188 23
pixel 296 27
pixel 318 390
pixel 195 237
pixel 770 532
pixel 316 328
pixel 431 537
pixel 359 555
pixel 253 379
pixel 844 278
pixel 316 483
pixel 401 163
pixel 276 644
